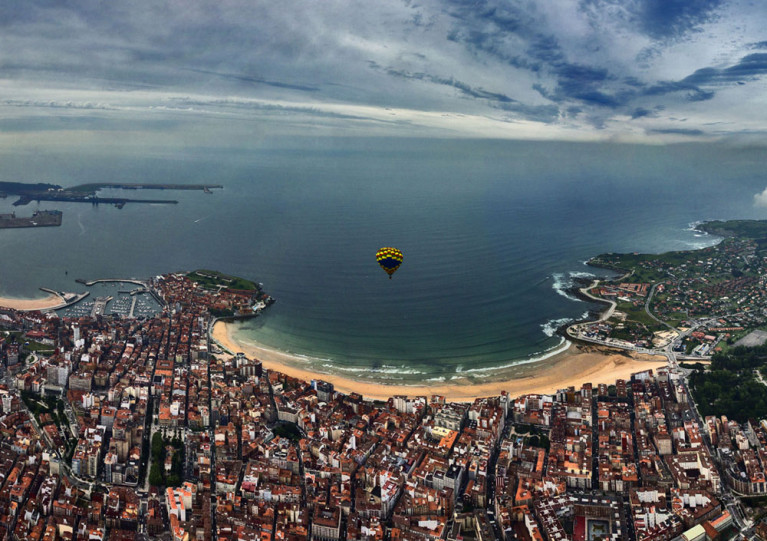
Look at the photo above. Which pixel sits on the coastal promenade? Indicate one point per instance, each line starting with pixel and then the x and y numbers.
pixel 606 314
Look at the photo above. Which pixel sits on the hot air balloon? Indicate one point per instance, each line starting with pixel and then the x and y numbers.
pixel 390 259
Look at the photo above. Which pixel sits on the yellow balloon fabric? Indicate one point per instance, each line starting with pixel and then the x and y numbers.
pixel 389 259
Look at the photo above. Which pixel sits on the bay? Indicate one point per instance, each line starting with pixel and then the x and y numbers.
pixel 491 231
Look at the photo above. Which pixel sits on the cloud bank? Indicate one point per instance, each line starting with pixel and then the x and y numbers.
pixel 760 199
pixel 574 69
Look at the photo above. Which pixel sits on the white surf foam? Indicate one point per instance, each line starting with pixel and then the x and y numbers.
pixel 551 326
pixel 559 348
pixel 560 284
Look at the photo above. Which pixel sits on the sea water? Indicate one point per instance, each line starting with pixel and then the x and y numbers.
pixel 492 232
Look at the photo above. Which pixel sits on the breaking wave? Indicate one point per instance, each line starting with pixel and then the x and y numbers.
pixel 563 282
pixel 383 370
pixel 561 285
pixel 559 348
pixel 551 326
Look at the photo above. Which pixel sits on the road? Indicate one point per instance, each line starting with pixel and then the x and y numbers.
pixel 575 333
pixel 760 378
pixel 65 469
pixel 726 494
pixel 647 309
pixel 607 314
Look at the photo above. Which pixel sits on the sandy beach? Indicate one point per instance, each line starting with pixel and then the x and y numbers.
pixel 45 303
pixel 576 365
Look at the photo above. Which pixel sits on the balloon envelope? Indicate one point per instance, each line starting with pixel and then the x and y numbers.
pixel 390 259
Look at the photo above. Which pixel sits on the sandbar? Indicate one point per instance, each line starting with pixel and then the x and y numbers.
pixel 573 367
pixel 46 303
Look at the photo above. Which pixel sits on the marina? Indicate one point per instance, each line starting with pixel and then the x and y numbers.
pixel 113 298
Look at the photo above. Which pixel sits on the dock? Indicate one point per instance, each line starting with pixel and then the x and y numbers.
pixel 40 218
pixel 94 187
pixel 119 202
pixel 133 306
pixel 100 306
pixel 87 193
pixel 108 280
pixel 67 299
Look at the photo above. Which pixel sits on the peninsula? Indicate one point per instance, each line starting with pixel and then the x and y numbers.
pixel 686 304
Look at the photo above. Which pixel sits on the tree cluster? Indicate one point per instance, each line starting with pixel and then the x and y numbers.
pixel 730 387
pixel 157 474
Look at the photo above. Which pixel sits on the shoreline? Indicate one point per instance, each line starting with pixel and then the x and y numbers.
pixel 46 303
pixel 577 365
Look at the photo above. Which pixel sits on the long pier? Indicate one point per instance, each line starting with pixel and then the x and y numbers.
pixel 107 280
pixel 117 201
pixel 141 186
pixel 100 306
pixel 67 299
pixel 87 193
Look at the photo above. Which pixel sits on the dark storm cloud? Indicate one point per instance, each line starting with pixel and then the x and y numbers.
pixel 677 131
pixel 659 19
pixel 749 68
pixel 640 112
pixel 487 27
pixel 671 18
pixel 695 87
pixel 543 55
pixel 584 84
pixel 690 91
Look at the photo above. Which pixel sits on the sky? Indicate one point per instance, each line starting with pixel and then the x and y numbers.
pixel 191 72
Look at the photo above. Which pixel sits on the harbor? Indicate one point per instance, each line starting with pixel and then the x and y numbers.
pixel 114 297
pixel 83 193
pixel 39 218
